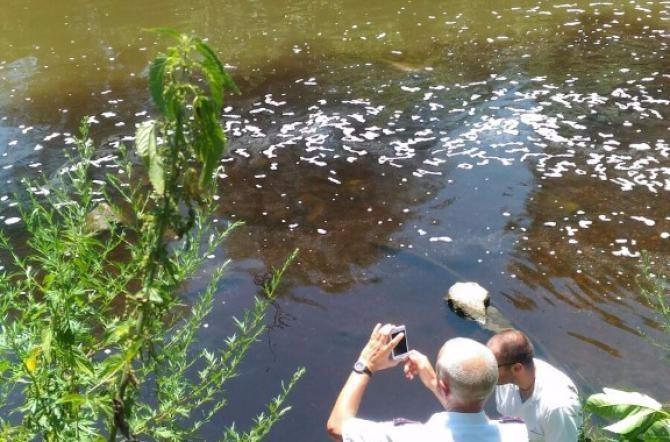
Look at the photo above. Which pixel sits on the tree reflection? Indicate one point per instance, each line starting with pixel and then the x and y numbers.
pixel 341 229
pixel 572 251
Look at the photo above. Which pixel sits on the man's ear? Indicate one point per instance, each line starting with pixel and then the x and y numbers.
pixel 444 387
pixel 517 368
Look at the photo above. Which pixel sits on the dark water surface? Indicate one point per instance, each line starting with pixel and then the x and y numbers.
pixel 402 146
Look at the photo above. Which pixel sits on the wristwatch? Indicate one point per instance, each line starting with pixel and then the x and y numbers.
pixel 361 368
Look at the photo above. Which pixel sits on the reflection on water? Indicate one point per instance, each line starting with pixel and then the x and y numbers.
pixel 401 146
pixel 341 229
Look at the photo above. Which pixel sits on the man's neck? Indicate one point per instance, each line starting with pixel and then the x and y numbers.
pixel 462 408
pixel 526 383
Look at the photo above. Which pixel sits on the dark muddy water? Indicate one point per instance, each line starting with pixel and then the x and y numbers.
pixel 402 146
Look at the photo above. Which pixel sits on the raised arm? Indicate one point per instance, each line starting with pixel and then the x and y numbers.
pixel 417 364
pixel 375 357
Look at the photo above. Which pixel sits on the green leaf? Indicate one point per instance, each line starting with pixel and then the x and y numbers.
pixel 49 279
pixel 212 64
pixel 659 430
pixel 83 365
pixel 145 139
pixel 119 331
pixel 154 295
pixel 634 412
pixel 72 398
pixel 213 73
pixel 157 81
pixel 47 337
pixel 634 422
pixel 164 433
pixel 147 147
pixel 212 142
pixel 617 404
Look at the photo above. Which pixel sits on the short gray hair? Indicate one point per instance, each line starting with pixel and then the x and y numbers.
pixel 468 368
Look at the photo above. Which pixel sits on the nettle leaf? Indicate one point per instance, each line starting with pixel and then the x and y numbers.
pixel 145 138
pixel 213 73
pixel 157 81
pixel 212 65
pixel 146 144
pixel 212 141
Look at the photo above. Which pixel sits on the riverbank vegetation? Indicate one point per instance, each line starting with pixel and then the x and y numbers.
pixel 97 338
pixel 637 416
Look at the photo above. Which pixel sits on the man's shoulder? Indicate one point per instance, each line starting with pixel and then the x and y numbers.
pixel 512 429
pixel 363 430
pixel 552 379
pixel 484 430
pixel 557 392
pixel 548 372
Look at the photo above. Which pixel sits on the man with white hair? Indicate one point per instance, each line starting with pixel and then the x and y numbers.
pixel 464 377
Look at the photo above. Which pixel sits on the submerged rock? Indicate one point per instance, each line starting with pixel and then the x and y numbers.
pixel 103 218
pixel 470 299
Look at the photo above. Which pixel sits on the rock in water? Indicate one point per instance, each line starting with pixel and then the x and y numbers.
pixel 102 218
pixel 469 299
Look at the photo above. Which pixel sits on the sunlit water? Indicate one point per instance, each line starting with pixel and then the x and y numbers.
pixel 402 146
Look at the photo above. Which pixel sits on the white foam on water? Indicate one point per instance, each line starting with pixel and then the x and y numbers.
pixel 440 239
pixel 625 252
pixel 645 220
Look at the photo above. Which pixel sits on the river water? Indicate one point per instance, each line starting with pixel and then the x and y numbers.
pixel 402 146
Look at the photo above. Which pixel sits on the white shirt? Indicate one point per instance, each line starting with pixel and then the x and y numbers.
pixel 442 427
pixel 552 413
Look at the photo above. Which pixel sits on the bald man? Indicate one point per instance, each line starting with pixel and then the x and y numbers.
pixel 535 391
pixel 464 377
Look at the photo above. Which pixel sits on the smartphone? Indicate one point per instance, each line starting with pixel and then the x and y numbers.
pixel 400 350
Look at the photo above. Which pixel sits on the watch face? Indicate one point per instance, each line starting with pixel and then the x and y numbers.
pixel 359 366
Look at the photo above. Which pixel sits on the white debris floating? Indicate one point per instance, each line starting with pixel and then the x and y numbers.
pixel 440 239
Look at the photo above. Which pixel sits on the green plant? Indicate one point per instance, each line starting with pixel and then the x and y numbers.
pixel 638 416
pixel 96 340
pixel 656 290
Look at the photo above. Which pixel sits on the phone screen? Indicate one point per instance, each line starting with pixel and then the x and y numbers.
pixel 401 348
